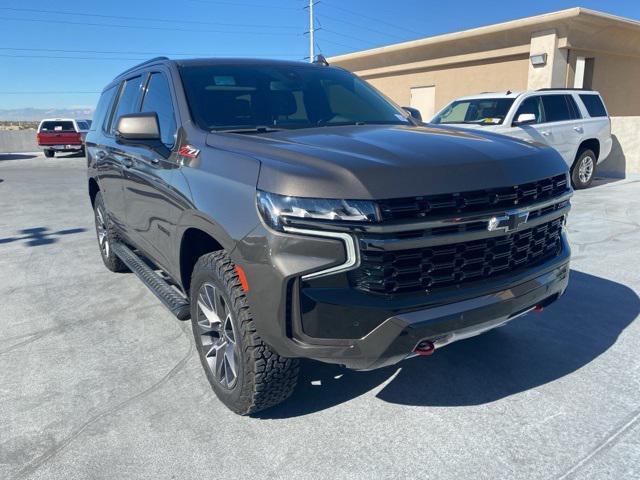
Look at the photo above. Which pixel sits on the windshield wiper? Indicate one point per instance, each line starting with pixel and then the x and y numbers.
pixel 250 130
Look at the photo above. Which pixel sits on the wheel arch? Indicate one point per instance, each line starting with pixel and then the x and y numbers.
pixel 592 144
pixel 94 188
pixel 195 241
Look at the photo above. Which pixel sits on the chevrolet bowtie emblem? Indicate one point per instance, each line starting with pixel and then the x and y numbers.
pixel 511 220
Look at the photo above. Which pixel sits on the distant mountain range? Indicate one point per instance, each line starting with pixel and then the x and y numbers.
pixel 32 114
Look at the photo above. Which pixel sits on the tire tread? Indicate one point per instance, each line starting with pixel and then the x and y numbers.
pixel 269 378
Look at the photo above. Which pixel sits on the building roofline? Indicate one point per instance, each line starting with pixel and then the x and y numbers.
pixel 487 29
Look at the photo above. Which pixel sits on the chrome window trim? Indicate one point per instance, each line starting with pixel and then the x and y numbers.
pixel 352 253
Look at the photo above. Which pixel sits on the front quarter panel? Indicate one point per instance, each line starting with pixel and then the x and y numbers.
pixel 223 190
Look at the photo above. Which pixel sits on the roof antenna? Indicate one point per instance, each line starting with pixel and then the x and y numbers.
pixel 508 92
pixel 321 60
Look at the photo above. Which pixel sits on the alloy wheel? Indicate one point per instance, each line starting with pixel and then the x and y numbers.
pixel 217 335
pixel 101 228
pixel 585 169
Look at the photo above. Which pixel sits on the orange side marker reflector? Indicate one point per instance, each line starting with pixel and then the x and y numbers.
pixel 242 277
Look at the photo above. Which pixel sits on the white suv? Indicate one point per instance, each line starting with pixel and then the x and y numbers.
pixel 574 122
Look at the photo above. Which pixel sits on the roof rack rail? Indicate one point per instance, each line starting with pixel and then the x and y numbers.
pixel 562 88
pixel 151 60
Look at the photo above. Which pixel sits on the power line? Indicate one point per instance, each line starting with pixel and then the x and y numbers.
pixel 361 15
pixel 207 54
pixel 152 19
pixel 251 5
pixel 353 24
pixel 58 57
pixel 348 36
pixel 71 58
pixel 138 27
pixel 350 47
pixel 45 93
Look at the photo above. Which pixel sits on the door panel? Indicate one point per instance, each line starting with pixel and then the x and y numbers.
pixel 152 205
pixel 111 154
pixel 556 124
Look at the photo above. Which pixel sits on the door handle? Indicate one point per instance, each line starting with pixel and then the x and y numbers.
pixel 578 129
pixel 127 162
pixel 546 134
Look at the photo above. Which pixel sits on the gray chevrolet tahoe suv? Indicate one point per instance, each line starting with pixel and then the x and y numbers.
pixel 292 211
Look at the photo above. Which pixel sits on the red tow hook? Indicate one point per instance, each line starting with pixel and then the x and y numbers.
pixel 538 308
pixel 424 348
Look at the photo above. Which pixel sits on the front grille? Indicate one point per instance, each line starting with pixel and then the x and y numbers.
pixel 473 201
pixel 431 268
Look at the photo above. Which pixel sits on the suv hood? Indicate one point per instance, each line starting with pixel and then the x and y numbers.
pixel 378 162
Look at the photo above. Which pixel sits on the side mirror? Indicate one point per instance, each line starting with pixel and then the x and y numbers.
pixel 525 119
pixel 138 128
pixel 141 129
pixel 414 112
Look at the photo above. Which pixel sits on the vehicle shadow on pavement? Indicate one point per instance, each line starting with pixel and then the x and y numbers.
pixel 16 156
pixel 37 236
pixel 529 352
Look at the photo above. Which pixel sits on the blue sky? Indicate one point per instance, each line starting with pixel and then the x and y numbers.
pixel 106 37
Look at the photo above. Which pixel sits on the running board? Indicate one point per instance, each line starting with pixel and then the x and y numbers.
pixel 175 302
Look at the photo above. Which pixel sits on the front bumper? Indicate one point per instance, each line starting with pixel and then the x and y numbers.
pixel 328 320
pixel 395 339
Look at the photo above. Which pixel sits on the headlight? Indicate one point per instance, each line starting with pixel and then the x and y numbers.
pixel 275 209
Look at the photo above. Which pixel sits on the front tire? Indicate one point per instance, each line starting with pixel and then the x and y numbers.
pixel 106 236
pixel 246 375
pixel 49 153
pixel 583 169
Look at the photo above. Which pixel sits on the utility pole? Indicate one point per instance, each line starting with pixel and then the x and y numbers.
pixel 312 31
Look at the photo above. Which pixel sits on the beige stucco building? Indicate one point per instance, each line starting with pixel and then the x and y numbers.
pixel 579 48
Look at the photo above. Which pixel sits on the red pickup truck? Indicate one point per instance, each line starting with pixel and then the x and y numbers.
pixel 62 135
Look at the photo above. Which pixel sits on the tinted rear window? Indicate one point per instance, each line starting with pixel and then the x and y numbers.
pixel 556 108
pixel 594 105
pixel 57 126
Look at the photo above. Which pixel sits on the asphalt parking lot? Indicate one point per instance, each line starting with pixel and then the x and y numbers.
pixel 98 380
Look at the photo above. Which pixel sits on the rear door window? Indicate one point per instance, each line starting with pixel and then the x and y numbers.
pixel 128 101
pixel 594 105
pixel 556 108
pixel 57 126
pixel 158 99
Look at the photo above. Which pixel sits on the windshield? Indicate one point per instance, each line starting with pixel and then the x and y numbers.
pixel 481 111
pixel 282 96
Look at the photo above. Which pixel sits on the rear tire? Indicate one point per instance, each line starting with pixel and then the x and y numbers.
pixel 583 169
pixel 106 236
pixel 246 375
pixel 49 153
